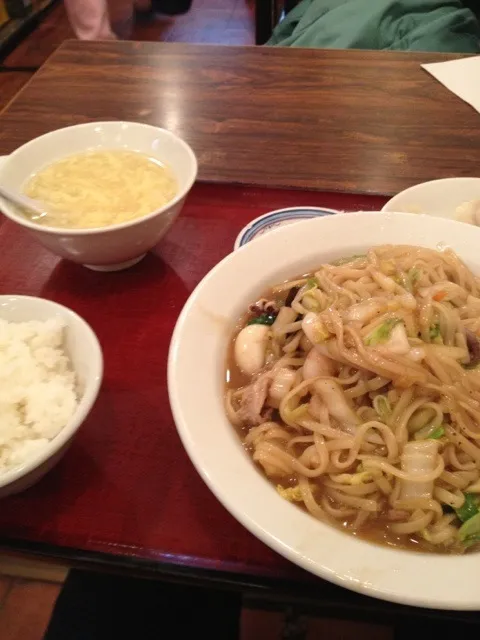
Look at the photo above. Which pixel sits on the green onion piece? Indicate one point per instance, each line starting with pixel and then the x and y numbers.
pixel 413 275
pixel 437 433
pixel 404 282
pixel 471 540
pixel 470 529
pixel 382 406
pixel 381 333
pixel 430 432
pixel 408 281
pixel 312 283
pixel 265 318
pixel 468 511
pixel 434 332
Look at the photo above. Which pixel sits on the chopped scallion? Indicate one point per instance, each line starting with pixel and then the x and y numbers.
pixel 469 532
pixel 469 509
pixel 382 407
pixel 434 332
pixel 381 333
pixel 265 318
pixel 429 433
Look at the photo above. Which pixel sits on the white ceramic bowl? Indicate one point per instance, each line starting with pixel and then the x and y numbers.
pixel 196 374
pixel 84 351
pixel 107 248
pixel 439 198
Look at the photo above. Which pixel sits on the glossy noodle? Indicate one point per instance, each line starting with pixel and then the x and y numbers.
pixel 356 389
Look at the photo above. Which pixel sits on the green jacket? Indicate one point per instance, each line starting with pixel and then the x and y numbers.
pixel 404 25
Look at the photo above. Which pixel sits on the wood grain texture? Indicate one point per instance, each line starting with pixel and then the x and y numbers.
pixel 358 121
pixel 230 22
pixel 10 85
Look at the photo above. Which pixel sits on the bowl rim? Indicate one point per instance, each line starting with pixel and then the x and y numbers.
pixel 386 578
pixel 268 219
pixel 389 206
pixel 84 406
pixel 9 212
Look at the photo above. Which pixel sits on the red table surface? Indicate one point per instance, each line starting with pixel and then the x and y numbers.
pixel 126 486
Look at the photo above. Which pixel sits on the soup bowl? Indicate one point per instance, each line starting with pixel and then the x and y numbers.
pixel 112 247
pixel 196 382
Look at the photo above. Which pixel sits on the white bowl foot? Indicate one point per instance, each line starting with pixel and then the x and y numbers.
pixel 115 267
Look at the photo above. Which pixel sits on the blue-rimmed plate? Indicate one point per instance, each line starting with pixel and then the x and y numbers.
pixel 274 219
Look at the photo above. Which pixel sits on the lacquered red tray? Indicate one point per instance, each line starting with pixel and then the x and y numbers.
pixel 126 486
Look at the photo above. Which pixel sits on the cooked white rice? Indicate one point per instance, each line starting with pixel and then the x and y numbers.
pixel 37 388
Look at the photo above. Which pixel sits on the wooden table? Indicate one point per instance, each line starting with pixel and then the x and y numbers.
pixel 125 495
pixel 358 121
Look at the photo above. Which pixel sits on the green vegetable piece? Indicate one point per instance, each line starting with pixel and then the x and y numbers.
pixel 467 512
pixel 408 280
pixel 265 318
pixel 413 275
pixel 434 332
pixel 381 333
pixel 471 540
pixel 312 283
pixel 430 433
pixel 470 529
pixel 382 407
pixel 437 433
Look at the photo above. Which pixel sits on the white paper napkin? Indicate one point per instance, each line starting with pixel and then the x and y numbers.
pixel 461 76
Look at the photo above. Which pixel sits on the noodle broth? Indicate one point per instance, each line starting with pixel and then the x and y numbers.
pixel 100 188
pixel 355 389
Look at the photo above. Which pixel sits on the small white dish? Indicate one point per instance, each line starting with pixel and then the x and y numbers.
pixel 439 198
pixel 84 351
pixel 278 218
pixel 107 248
pixel 196 383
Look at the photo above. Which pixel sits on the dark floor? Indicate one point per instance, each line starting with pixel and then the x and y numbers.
pixel 26 606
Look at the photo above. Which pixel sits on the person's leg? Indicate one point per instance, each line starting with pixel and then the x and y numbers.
pixel 90 19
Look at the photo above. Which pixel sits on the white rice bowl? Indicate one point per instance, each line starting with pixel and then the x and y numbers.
pixel 50 372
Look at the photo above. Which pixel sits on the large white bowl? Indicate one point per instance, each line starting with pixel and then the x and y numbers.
pixel 196 374
pixel 439 198
pixel 117 246
pixel 85 354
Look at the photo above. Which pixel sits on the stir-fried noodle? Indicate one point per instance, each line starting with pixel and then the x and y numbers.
pixel 355 389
